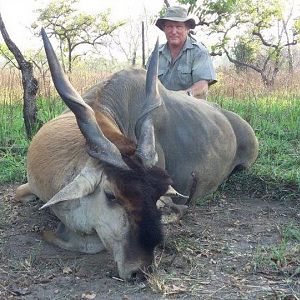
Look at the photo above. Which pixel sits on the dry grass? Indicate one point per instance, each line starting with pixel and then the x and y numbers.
pixel 11 89
pixel 230 83
pixel 249 84
pixel 10 85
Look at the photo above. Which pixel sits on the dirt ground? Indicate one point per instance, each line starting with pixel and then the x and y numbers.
pixel 226 248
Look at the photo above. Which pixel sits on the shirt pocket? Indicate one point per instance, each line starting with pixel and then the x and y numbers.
pixel 185 76
pixel 161 72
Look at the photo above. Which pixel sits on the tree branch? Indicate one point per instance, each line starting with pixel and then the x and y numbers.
pixel 240 63
pixel 167 4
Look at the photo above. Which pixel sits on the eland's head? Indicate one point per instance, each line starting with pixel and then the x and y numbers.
pixel 117 192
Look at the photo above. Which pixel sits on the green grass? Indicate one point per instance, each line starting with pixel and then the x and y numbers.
pixel 13 141
pixel 49 108
pixel 276 122
pixel 283 257
pixel 275 119
pixel 13 144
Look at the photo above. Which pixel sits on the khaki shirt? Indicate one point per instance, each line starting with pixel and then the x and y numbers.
pixel 192 64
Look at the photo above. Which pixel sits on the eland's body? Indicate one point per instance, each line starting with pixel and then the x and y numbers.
pixel 101 168
pixel 195 140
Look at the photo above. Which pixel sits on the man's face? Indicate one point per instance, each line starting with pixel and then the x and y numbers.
pixel 176 33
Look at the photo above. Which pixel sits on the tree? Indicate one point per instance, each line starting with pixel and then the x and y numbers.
pixel 30 84
pixel 233 22
pixel 245 50
pixel 74 28
pixel 129 38
pixel 8 57
pixel 41 68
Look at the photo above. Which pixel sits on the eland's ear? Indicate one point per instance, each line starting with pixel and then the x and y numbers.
pixel 82 185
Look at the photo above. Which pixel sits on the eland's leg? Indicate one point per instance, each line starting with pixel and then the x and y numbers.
pixel 70 240
pixel 24 193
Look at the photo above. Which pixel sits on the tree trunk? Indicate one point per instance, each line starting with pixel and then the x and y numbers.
pixel 30 84
pixel 133 61
pixel 143 46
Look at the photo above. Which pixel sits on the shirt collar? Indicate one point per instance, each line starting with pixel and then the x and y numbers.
pixel 164 49
pixel 188 44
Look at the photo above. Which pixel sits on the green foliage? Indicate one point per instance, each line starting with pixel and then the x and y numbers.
pixel 276 121
pixel 291 232
pixel 12 166
pixel 13 142
pixel 49 108
pixel 223 6
pixel 74 28
pixel 245 50
pixel 190 2
pixel 7 54
pixel 296 28
pixel 265 24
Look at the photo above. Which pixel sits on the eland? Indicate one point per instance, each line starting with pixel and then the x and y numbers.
pixel 103 165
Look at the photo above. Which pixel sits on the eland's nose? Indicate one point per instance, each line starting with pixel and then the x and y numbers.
pixel 141 274
pixel 138 276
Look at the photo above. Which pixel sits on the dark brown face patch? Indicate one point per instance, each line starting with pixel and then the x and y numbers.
pixel 138 190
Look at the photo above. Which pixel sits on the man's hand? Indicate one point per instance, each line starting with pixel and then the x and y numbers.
pixel 199 89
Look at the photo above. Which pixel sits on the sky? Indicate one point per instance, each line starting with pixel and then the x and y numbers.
pixel 18 15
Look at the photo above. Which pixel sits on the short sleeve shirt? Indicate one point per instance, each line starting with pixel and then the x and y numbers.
pixel 192 64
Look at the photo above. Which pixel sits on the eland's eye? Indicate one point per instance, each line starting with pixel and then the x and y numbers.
pixel 110 196
pixel 111 199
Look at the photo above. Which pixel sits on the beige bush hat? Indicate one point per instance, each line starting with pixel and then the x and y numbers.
pixel 177 14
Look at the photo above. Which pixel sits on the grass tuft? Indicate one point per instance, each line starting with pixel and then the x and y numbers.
pixel 283 257
pixel 13 141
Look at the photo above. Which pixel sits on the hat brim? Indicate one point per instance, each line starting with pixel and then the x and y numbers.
pixel 190 22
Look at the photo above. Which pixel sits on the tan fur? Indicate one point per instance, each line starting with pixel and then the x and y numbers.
pixel 65 151
pixel 112 132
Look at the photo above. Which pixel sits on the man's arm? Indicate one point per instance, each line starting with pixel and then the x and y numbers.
pixel 199 89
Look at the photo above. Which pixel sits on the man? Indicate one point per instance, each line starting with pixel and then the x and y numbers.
pixel 184 64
